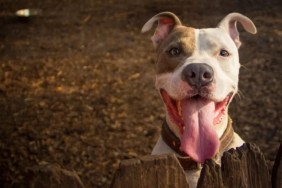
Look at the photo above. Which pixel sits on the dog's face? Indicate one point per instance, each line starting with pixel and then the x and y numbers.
pixel 197 76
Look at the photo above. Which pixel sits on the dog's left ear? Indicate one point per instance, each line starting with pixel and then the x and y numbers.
pixel 229 24
pixel 166 22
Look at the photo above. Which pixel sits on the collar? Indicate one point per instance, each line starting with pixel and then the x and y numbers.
pixel 187 162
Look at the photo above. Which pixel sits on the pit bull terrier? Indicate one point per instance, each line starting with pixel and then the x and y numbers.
pixel 197 77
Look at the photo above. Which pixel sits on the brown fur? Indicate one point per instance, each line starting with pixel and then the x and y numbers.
pixel 181 37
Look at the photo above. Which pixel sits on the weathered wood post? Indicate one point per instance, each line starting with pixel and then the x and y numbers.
pixel 150 171
pixel 244 167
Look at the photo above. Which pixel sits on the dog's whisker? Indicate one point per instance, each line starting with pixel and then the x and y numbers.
pixel 239 95
pixel 245 67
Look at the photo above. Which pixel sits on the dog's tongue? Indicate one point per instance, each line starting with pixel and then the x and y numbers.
pixel 199 139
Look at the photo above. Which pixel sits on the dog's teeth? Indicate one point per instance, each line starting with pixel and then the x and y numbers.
pixel 216 114
pixel 179 109
pixel 219 120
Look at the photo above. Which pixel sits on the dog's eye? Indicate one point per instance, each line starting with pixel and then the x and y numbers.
pixel 224 53
pixel 174 51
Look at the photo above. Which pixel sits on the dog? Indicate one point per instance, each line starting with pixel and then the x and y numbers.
pixel 197 78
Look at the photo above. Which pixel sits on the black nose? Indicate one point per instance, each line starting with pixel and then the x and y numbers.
pixel 198 74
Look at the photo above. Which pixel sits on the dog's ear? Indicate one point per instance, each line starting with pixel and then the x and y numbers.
pixel 229 24
pixel 166 22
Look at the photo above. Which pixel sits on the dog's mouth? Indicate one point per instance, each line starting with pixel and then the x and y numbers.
pixel 196 117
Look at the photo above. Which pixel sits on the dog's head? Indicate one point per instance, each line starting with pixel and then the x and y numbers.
pixel 197 76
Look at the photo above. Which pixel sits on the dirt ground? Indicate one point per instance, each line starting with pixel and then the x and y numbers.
pixel 77 82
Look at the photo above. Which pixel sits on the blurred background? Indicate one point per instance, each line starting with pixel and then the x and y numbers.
pixel 77 82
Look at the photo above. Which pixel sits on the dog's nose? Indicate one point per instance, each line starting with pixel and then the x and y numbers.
pixel 198 74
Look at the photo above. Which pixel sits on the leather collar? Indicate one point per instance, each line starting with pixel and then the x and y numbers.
pixel 187 162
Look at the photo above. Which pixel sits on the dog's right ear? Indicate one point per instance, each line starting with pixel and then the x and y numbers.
pixel 166 22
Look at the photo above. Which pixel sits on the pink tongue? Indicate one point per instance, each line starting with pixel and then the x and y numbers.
pixel 199 139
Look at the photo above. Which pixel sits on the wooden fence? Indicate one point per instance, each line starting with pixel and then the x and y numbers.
pixel 244 167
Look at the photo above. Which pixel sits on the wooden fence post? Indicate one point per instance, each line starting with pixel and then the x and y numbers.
pixel 244 167
pixel 162 171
